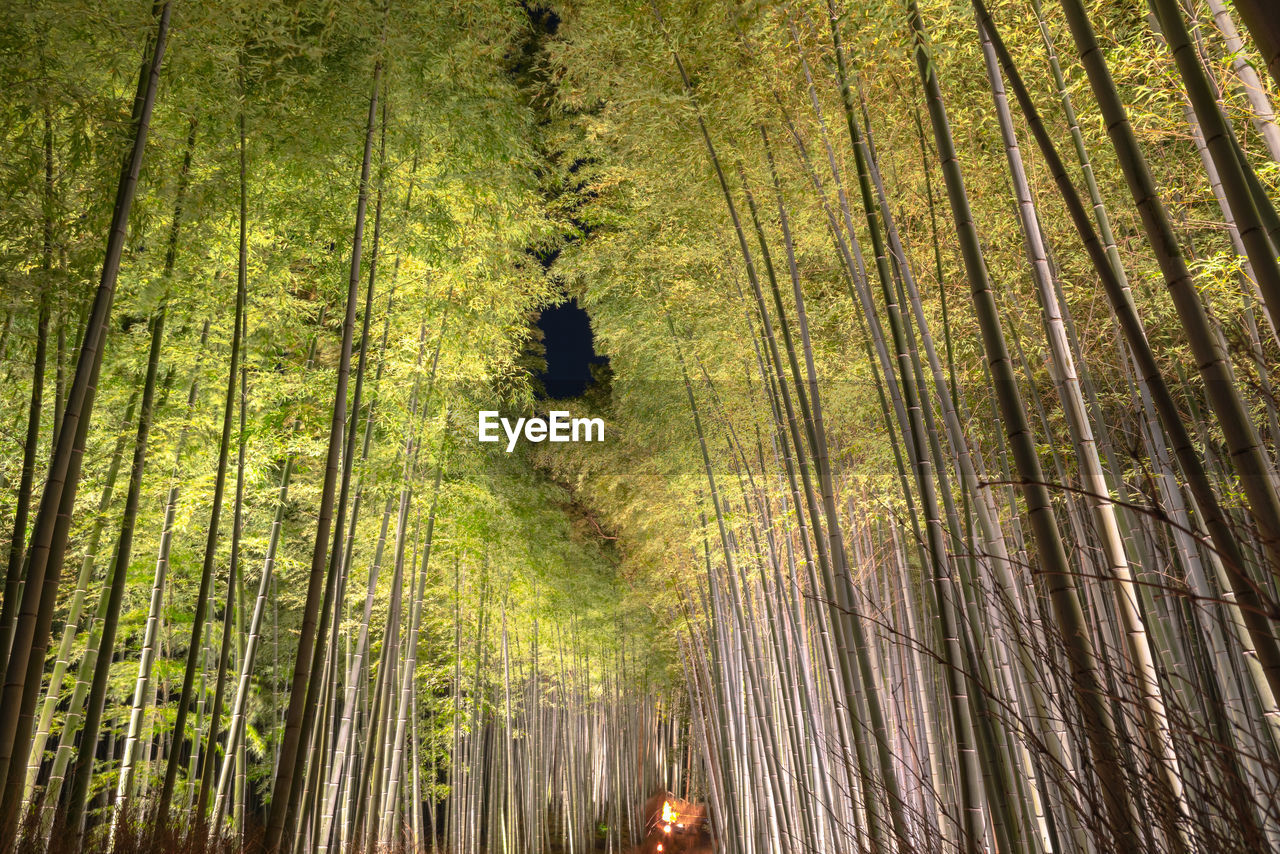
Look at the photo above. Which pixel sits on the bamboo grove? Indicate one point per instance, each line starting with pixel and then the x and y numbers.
pixel 939 508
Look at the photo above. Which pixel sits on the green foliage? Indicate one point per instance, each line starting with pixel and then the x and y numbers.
pixel 498 146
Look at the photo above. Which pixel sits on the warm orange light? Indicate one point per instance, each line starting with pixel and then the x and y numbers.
pixel 669 815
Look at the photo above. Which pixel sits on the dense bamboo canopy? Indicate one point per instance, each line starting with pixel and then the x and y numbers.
pixel 936 343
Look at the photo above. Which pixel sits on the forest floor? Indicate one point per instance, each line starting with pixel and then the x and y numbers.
pixel 140 839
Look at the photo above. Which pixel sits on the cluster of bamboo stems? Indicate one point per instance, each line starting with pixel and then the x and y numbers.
pixel 556 760
pixel 1078 659
pixel 1051 649
pixel 534 756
